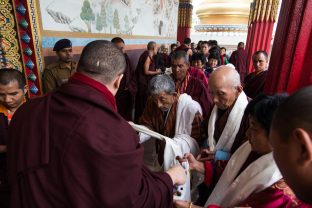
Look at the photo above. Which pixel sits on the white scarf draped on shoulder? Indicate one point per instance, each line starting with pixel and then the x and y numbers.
pixel 186 110
pixel 259 175
pixel 232 125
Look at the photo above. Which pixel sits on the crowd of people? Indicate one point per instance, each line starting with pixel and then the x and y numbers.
pixel 74 147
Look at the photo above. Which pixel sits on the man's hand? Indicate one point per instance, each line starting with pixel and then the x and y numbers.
pixel 177 174
pixel 193 163
pixel 184 204
pixel 206 154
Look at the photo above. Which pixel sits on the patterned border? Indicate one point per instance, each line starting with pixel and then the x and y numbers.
pixel 36 32
pixel 27 40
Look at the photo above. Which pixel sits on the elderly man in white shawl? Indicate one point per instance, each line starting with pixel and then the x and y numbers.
pixel 180 114
pixel 226 127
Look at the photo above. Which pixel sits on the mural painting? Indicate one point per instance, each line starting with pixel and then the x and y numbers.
pixel 127 17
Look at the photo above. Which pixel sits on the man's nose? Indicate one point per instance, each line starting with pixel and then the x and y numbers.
pixel 159 104
pixel 7 99
pixel 215 99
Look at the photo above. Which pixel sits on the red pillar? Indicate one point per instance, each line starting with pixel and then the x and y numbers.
pixel 184 20
pixel 290 64
pixel 262 21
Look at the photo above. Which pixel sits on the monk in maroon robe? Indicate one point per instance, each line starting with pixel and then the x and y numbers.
pixel 127 89
pixel 75 150
pixel 145 71
pixel 189 84
pixel 239 60
pixel 255 81
pixel 12 95
pixel 199 74
pixel 186 47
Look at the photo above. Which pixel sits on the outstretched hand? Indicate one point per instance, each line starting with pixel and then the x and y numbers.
pixel 184 204
pixel 206 154
pixel 193 163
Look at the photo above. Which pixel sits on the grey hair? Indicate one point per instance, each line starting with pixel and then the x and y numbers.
pixel 180 54
pixel 161 83
pixel 233 78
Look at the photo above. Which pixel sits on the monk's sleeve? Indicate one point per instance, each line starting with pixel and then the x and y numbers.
pixel 148 117
pixel 196 129
pixel 98 174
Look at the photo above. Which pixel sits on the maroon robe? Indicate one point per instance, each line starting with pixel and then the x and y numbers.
pixel 197 90
pixel 198 73
pixel 239 60
pixel 126 92
pixel 142 83
pixel 254 83
pixel 75 150
pixel 4 186
pixel 182 47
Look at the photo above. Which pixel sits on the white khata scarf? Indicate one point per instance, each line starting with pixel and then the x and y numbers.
pixel 259 175
pixel 232 125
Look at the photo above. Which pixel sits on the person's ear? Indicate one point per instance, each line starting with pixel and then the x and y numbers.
pixel 239 88
pixel 25 89
pixel 117 81
pixel 303 144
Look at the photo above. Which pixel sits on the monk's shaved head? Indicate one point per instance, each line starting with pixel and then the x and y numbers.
pixel 225 74
pixel 224 86
pixel 102 59
pixel 296 111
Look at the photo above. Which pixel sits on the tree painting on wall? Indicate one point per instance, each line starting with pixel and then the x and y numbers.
pixel 116 21
pixel 130 17
pixel 87 14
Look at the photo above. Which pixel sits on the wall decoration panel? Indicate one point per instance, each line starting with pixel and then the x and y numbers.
pixel 9 45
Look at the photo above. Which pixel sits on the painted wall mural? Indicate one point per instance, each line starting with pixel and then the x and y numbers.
pixel 127 17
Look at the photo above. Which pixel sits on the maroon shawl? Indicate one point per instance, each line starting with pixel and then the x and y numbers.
pixel 75 150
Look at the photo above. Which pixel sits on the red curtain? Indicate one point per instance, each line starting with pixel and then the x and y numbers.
pixel 183 32
pixel 291 57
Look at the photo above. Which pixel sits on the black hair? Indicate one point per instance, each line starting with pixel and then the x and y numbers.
pixel 214 54
pixel 262 109
pixel 199 56
pixel 187 41
pixel 173 45
pixel 117 40
pixel 294 113
pixel 260 52
pixel 7 75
